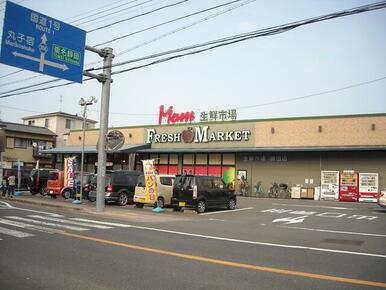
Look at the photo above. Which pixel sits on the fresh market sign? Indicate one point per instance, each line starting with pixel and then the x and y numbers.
pixel 197 135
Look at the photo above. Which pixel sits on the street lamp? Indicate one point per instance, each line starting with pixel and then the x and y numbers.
pixel 84 103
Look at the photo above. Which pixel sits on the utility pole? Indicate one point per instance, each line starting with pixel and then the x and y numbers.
pixel 105 79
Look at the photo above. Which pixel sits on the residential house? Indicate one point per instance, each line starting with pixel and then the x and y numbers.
pixel 60 123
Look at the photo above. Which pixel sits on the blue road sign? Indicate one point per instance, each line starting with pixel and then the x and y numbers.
pixel 40 43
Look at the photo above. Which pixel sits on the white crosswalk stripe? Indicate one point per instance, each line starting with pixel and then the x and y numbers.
pixel 28 226
pixel 14 233
pixel 70 222
pixel 68 227
pixel 102 223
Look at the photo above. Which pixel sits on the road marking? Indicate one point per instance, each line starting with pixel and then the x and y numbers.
pixel 69 222
pixel 318 206
pixel 102 223
pixel 31 210
pixel 261 243
pixel 28 226
pixel 226 211
pixel 230 263
pixel 217 220
pixel 290 220
pixel 14 233
pixel 68 227
pixel 337 232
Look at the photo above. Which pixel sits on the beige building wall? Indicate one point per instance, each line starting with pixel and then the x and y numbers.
pixel 322 132
pixel 132 136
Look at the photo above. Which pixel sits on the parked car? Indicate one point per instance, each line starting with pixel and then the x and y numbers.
pixel 382 199
pixel 56 186
pixel 38 181
pixel 164 185
pixel 120 186
pixel 201 192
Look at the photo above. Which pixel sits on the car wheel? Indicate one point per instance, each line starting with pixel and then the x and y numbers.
pixel 160 203
pixel 92 199
pixel 231 204
pixel 201 206
pixel 123 199
pixel 139 205
pixel 43 191
pixel 177 208
pixel 66 194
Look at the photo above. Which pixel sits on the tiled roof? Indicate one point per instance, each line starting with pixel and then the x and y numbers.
pixel 15 127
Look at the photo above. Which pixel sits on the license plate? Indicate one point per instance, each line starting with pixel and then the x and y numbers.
pixel 181 203
pixel 142 199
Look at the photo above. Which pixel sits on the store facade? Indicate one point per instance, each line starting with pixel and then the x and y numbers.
pixel 291 151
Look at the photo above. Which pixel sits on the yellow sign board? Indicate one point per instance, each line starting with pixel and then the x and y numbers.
pixel 150 181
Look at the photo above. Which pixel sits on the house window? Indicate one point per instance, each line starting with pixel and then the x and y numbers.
pixel 10 142
pixel 68 124
pixel 46 123
pixel 20 143
pixel 31 122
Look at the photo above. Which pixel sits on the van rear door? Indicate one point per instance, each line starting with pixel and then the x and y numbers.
pixel 183 188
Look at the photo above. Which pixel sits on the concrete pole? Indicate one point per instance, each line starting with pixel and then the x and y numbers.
pixel 104 116
pixel 82 156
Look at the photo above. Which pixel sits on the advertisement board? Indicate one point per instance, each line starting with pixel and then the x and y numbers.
pixel 150 181
pixel 329 183
pixel 69 172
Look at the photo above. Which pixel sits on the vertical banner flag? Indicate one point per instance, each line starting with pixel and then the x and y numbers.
pixel 229 177
pixel 69 174
pixel 150 181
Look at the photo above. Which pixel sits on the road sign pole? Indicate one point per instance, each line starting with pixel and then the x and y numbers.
pixel 104 121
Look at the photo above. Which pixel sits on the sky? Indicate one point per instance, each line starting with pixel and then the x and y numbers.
pixel 257 77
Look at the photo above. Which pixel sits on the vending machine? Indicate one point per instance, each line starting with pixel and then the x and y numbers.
pixel 348 186
pixel 368 187
pixel 329 185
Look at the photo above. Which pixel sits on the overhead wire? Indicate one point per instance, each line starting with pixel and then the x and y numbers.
pixel 139 15
pixel 166 22
pixel 247 36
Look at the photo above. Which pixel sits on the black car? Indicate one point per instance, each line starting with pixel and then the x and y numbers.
pixel 201 192
pixel 120 186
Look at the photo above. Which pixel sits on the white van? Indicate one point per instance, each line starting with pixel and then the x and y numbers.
pixel 164 190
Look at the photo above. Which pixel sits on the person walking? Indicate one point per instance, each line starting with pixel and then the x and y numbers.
pixel 11 185
pixel 3 186
pixel 242 185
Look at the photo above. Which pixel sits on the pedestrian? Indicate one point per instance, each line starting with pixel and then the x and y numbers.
pixel 11 185
pixel 4 186
pixel 242 185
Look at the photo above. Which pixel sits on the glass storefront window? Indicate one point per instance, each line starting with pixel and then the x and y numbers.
pixel 188 159
pixel 173 159
pixel 202 159
pixel 228 159
pixel 215 159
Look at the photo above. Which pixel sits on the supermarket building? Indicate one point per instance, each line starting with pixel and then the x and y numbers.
pixel 292 151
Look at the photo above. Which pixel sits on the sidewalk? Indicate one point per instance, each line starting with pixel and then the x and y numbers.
pixel 128 212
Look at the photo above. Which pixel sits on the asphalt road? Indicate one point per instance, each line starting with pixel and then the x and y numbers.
pixel 264 244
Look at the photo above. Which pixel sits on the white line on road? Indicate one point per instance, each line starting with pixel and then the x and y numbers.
pixel 69 222
pixel 31 210
pixel 226 211
pixel 337 232
pixel 14 233
pixel 217 220
pixel 262 243
pixel 102 223
pixel 318 206
pixel 68 227
pixel 28 226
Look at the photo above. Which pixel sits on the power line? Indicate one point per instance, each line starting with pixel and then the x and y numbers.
pixel 99 20
pixel 166 22
pixel 139 15
pixel 247 36
pixel 250 106
pixel 115 12
pixel 109 9
pixel 185 27
pixel 258 33
pixel 92 10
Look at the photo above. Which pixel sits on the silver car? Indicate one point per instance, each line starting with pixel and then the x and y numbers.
pixel 382 199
